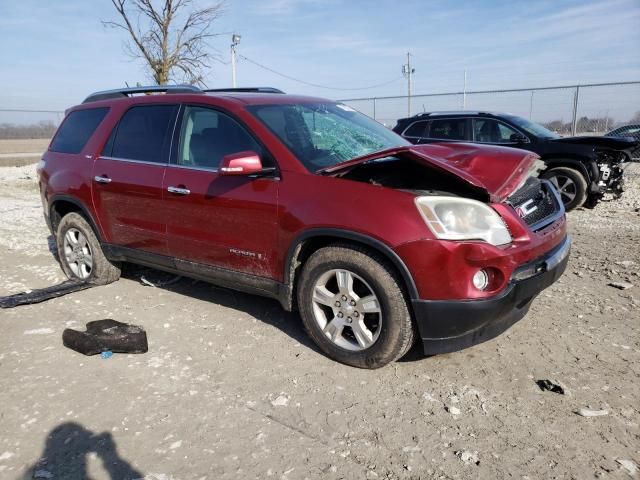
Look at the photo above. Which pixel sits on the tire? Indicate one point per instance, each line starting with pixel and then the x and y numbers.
pixel 384 331
pixel 570 183
pixel 78 247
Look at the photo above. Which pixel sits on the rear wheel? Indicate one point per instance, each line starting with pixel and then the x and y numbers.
pixel 353 307
pixel 571 185
pixel 80 254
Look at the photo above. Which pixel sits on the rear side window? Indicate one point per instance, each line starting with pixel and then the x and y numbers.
pixel 415 130
pixel 449 129
pixel 143 133
pixel 77 128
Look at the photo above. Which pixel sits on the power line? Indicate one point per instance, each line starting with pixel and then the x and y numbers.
pixel 315 84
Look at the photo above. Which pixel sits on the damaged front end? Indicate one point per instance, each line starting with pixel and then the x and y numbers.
pixel 608 157
pixel 611 166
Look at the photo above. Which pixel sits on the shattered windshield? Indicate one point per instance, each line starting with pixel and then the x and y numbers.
pixel 321 135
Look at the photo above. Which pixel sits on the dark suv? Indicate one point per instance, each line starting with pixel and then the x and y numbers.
pixel 304 200
pixel 583 169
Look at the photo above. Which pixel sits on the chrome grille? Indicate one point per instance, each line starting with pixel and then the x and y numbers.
pixel 537 203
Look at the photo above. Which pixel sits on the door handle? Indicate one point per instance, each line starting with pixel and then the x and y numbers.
pixel 102 179
pixel 179 191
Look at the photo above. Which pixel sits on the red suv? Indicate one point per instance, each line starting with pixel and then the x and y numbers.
pixel 307 201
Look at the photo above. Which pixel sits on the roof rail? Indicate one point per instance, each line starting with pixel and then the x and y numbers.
pixel 453 112
pixel 126 92
pixel 246 90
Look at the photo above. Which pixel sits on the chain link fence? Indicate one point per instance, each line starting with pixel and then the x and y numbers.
pixel 569 110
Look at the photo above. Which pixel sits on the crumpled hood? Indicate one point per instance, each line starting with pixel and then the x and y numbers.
pixel 497 171
pixel 616 143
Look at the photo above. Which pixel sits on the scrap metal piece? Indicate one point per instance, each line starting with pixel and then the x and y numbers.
pixel 106 335
pixel 43 294
pixel 550 386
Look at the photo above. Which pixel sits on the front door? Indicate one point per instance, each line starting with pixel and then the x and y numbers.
pixel 127 179
pixel 488 130
pixel 221 221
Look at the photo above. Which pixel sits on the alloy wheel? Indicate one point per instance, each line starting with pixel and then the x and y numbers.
pixel 78 253
pixel 567 187
pixel 347 310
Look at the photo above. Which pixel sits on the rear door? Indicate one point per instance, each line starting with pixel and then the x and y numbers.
pixel 228 222
pixel 127 178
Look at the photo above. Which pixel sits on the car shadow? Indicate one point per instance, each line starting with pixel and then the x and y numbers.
pixel 264 309
pixel 415 354
pixel 53 248
pixel 66 452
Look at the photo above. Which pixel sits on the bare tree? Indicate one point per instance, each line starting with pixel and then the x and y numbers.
pixel 172 39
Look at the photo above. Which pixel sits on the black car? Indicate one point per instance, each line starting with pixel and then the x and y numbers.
pixel 628 131
pixel 582 168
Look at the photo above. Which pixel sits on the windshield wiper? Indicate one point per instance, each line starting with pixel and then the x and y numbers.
pixel 361 159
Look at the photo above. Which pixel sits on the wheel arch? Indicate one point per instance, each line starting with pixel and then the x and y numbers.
pixel 590 172
pixel 61 205
pixel 311 240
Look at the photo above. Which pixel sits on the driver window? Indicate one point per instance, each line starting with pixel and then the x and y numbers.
pixel 490 131
pixel 208 135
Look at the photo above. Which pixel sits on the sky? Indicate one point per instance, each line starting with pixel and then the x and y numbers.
pixel 53 53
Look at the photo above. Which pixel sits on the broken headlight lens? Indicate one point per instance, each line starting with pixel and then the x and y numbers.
pixel 452 218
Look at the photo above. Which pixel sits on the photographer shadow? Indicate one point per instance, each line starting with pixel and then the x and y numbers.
pixel 67 451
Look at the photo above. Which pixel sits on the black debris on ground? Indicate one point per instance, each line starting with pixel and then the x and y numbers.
pixel 43 294
pixel 106 335
pixel 548 385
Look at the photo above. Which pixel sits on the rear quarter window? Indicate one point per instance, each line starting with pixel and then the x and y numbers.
pixel 76 130
pixel 143 134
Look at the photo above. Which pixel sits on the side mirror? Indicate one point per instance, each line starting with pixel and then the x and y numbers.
pixel 518 138
pixel 241 163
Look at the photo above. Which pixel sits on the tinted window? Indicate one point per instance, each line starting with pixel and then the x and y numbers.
pixel 144 133
pixel 415 130
pixel 77 128
pixel 449 129
pixel 208 135
pixel 490 131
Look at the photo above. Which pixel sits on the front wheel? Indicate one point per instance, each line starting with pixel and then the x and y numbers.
pixel 353 307
pixel 571 185
pixel 80 254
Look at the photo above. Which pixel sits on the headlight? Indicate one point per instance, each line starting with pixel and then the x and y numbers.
pixel 452 218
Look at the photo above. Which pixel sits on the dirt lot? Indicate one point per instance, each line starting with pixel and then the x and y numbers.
pixel 16 152
pixel 232 388
pixel 23 145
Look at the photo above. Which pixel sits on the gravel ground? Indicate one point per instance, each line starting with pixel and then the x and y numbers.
pixel 232 388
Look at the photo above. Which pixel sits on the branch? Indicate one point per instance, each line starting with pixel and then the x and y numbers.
pixel 119 5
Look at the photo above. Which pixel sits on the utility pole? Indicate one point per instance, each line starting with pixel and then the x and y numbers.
pixel 235 40
pixel 464 91
pixel 408 72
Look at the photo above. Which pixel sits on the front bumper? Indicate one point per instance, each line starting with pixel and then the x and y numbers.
pixel 450 325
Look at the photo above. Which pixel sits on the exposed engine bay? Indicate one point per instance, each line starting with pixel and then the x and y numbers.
pixel 611 165
pixel 405 174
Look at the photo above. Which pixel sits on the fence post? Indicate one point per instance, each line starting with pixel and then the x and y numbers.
pixel 374 108
pixel 574 124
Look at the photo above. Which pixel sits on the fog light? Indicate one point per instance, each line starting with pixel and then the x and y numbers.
pixel 481 280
